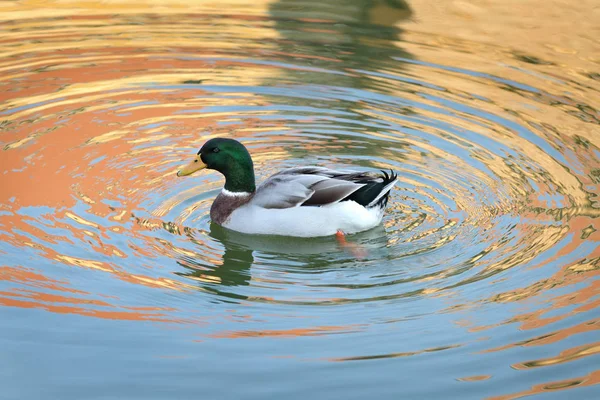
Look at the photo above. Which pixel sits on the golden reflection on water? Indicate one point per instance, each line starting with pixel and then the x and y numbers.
pixel 590 379
pixel 496 143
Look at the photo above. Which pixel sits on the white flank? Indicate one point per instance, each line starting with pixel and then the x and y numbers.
pixel 347 216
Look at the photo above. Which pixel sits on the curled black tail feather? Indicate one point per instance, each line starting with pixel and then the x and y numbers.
pixel 372 189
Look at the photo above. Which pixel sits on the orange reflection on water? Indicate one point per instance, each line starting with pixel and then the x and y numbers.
pixel 26 298
pixel 30 278
pixel 100 150
pixel 581 271
pixel 552 337
pixel 474 378
pixel 50 252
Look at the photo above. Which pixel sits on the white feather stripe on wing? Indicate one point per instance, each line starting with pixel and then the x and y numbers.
pixel 383 192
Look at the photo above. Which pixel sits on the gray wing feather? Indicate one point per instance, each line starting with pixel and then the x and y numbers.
pixel 285 191
pixel 303 186
pixel 331 191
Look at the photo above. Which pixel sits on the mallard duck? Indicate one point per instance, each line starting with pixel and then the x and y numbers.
pixel 302 201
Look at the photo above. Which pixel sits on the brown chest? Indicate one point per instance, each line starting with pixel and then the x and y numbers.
pixel 224 205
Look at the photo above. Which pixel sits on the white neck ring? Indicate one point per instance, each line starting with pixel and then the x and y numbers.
pixel 234 194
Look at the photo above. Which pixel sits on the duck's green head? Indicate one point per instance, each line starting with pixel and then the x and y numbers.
pixel 230 158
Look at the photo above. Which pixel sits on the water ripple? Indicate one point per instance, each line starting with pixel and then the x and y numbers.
pixel 490 240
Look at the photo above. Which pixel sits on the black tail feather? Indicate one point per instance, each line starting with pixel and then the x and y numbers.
pixel 365 195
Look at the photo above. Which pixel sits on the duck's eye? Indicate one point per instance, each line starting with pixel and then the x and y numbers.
pixel 216 150
pixel 195 160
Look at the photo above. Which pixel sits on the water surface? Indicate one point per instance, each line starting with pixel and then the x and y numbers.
pixel 481 282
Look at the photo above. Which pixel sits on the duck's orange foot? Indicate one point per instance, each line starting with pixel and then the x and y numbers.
pixel 356 250
pixel 341 237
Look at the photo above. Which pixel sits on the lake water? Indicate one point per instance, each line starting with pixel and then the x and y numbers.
pixel 481 282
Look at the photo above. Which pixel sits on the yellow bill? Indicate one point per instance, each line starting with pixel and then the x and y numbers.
pixel 192 167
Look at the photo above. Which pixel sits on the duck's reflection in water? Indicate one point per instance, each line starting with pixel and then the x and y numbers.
pixel 300 255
